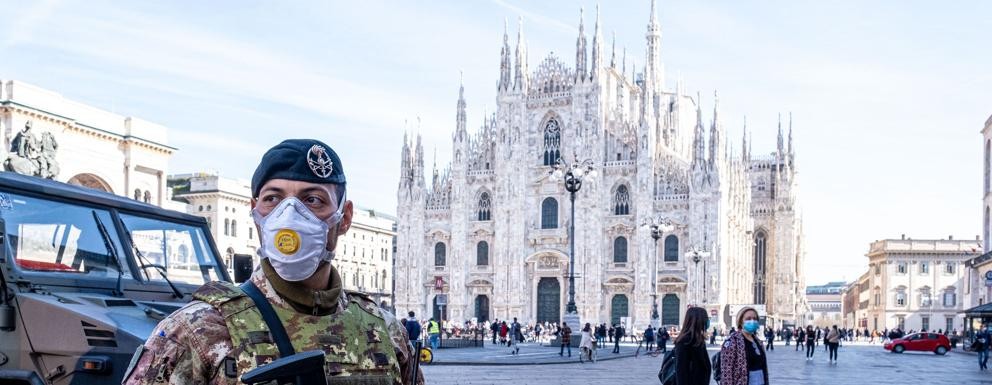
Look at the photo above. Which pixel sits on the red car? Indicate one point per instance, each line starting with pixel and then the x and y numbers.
pixel 920 342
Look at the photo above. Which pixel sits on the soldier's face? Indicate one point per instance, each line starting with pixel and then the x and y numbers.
pixel 321 199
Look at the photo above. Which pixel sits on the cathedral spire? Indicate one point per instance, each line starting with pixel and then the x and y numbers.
pixel 653 71
pixel 521 81
pixel 613 55
pixel 791 149
pixel 780 145
pixel 745 156
pixel 580 49
pixel 698 142
pixel 504 61
pixel 460 125
pixel 715 129
pixel 597 49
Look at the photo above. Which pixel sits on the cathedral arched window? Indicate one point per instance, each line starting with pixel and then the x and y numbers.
pixel 621 201
pixel 227 227
pixel 671 248
pixel 234 228
pixel 620 250
pixel 760 249
pixel 485 207
pixel 549 213
pixel 552 142
pixel 439 254
pixel 482 253
pixel 137 194
pixel 148 197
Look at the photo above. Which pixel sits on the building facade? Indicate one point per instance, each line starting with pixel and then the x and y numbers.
pixel 918 284
pixel 486 237
pixel 825 304
pixel 46 135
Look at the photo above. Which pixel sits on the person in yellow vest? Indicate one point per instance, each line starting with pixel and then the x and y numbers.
pixel 434 330
pixel 294 302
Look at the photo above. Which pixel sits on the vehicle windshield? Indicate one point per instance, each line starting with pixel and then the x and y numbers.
pixel 51 236
pixel 182 250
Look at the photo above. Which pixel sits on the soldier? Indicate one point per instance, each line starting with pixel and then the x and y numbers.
pixel 300 210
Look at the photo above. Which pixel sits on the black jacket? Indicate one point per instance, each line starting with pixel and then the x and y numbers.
pixel 692 364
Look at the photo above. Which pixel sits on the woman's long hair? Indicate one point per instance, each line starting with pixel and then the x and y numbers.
pixel 587 328
pixel 693 327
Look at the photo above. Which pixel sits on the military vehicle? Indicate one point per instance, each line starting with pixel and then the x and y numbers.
pixel 86 275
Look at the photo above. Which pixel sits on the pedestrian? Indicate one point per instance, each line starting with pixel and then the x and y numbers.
pixel 504 330
pixel 800 338
pixel 823 337
pixel 648 338
pixel 692 363
pixel 494 328
pixel 618 335
pixel 770 336
pixel 713 336
pixel 981 346
pixel 434 333
pixel 787 334
pixel 810 342
pixel 587 346
pixel 663 338
pixel 742 357
pixel 565 336
pixel 833 341
pixel 295 298
pixel 612 331
pixel 601 336
pixel 516 336
pixel 412 327
pixel 537 332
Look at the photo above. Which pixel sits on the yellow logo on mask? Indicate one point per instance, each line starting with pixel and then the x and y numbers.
pixel 287 241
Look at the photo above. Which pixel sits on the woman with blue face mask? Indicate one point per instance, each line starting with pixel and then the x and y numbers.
pixel 742 357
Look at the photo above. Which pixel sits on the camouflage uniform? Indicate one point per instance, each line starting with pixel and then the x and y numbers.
pixel 363 343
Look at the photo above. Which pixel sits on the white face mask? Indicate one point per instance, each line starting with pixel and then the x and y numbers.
pixel 294 239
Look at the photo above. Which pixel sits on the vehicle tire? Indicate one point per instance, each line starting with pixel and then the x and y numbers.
pixel 898 349
pixel 940 351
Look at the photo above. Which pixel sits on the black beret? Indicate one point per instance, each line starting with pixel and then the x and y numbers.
pixel 306 160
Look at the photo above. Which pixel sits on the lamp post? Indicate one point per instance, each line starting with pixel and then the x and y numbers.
pixel 696 255
pixel 658 228
pixel 572 174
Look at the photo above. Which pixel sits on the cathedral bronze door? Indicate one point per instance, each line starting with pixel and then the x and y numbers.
pixel 482 308
pixel 548 300
pixel 670 309
pixel 618 308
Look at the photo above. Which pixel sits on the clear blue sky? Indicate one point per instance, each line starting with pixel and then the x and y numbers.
pixel 888 97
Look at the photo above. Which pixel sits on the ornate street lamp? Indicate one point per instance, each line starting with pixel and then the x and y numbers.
pixel 696 255
pixel 572 173
pixel 658 228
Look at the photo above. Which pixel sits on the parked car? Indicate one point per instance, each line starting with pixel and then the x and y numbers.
pixel 920 342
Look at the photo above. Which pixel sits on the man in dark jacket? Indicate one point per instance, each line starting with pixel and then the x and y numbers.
pixel 412 327
pixel 495 329
pixel 565 336
pixel 769 337
pixel 618 335
pixel 663 338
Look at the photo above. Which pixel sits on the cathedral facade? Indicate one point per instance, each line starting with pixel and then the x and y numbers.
pixel 487 237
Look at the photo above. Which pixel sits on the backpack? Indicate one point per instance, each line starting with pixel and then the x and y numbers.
pixel 668 366
pixel 716 367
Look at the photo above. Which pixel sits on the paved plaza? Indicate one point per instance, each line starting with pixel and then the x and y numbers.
pixel 858 364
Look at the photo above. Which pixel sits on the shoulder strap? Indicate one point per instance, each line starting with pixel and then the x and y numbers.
pixel 276 328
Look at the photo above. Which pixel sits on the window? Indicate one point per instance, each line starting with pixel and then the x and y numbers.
pixel 924 268
pixel 234 228
pixel 948 323
pixel 901 321
pixel 900 299
pixel 227 227
pixel 552 142
pixel 549 213
pixel 148 197
pixel 760 249
pixel 671 248
pixel 201 208
pixel 251 233
pixel 950 298
pixel 485 206
pixel 621 201
pixel 948 267
pixel 925 299
pixel 137 194
pixel 925 322
pixel 901 268
pixel 620 250
pixel 439 251
pixel 481 253
pixel 155 239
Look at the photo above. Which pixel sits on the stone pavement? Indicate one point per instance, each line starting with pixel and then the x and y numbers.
pixel 530 354
pixel 857 364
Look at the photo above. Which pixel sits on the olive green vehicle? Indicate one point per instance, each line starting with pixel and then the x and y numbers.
pixel 86 276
